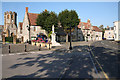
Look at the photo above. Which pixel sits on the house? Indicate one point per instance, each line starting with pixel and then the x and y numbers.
pixel 117 30
pixel 88 32
pixel 23 27
pixel 109 33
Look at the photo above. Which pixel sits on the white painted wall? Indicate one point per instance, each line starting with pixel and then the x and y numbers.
pixel 117 31
pixel 109 34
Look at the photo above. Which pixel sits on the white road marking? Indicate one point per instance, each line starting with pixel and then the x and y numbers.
pixel 11 54
pixel 19 53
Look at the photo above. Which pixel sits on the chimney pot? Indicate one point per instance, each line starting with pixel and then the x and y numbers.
pixel 27 9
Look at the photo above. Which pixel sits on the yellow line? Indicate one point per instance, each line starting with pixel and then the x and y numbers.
pixel 106 76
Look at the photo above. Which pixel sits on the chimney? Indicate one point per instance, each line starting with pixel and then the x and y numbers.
pixel 45 10
pixel 80 20
pixel 108 28
pixel 88 21
pixel 26 10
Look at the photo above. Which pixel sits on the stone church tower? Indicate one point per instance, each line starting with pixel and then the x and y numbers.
pixel 10 23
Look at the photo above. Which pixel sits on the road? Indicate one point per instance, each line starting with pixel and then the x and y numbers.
pixel 58 63
pixel 106 55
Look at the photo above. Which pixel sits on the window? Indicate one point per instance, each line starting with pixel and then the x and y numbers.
pixel 109 32
pixel 88 34
pixel 7 16
pixel 34 29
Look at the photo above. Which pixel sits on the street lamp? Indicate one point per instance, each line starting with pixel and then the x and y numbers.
pixel 29 34
pixel 70 40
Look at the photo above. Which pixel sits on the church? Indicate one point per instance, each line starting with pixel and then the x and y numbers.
pixel 10 24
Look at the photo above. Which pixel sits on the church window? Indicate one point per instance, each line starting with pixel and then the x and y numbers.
pixel 7 16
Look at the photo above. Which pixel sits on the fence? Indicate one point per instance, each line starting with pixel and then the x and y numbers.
pixel 15 48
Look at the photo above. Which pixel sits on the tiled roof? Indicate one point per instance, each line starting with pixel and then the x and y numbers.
pixel 1 25
pixel 21 23
pixel 32 18
pixel 87 25
pixel 96 29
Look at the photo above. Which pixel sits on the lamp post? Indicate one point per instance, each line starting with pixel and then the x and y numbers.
pixel 29 34
pixel 70 40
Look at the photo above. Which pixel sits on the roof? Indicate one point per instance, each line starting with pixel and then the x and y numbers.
pixel 87 25
pixel 1 25
pixel 20 23
pixel 96 29
pixel 110 28
pixel 32 18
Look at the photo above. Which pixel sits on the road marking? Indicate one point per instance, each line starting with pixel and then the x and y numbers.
pixel 106 76
pixel 19 53
pixel 11 54
pixel 93 64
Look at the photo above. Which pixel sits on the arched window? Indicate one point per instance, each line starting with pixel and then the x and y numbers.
pixel 8 16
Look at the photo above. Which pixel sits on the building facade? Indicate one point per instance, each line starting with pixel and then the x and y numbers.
pixel 109 33
pixel 88 32
pixel 29 21
pixel 10 24
pixel 117 30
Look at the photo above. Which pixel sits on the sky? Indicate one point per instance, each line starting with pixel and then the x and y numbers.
pixel 99 13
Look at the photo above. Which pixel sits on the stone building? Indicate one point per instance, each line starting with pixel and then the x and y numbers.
pixel 1 32
pixel 88 32
pixel 29 21
pixel 10 23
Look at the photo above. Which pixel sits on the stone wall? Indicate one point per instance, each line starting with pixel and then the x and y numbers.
pixel 16 48
pixel 5 49
pixel 31 47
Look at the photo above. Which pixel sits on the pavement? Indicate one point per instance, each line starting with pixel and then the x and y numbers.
pixel 60 62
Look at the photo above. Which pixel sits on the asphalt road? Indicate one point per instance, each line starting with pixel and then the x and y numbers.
pixel 61 63
pixel 105 55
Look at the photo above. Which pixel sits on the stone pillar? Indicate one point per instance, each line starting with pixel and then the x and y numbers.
pixel 14 39
pixel 67 38
pixel 53 35
pixel 3 39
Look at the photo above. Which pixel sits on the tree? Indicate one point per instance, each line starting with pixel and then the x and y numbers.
pixel 102 29
pixel 67 19
pixel 46 19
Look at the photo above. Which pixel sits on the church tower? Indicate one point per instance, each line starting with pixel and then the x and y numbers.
pixel 10 23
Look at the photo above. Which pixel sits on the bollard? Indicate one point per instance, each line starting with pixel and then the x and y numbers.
pixel 9 48
pixel 40 47
pixel 35 43
pixel 25 48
